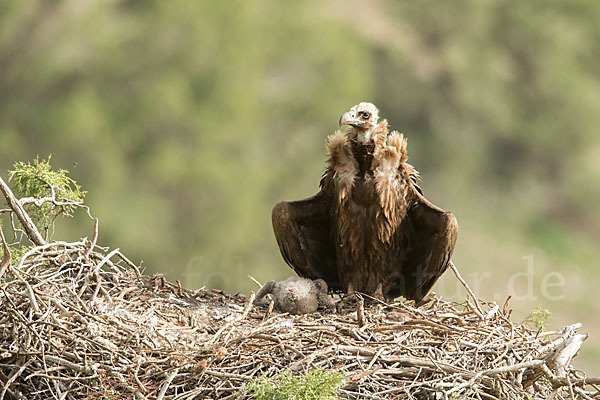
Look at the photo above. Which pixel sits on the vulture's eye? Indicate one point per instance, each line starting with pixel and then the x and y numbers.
pixel 365 115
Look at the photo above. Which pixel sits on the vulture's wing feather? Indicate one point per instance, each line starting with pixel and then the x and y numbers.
pixel 303 232
pixel 431 234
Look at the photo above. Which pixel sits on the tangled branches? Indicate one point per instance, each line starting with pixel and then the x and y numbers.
pixel 81 321
pixel 76 322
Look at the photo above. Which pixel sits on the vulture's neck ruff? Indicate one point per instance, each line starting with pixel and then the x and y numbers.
pixel 372 177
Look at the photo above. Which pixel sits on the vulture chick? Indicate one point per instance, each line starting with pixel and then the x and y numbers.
pixel 295 295
pixel 369 228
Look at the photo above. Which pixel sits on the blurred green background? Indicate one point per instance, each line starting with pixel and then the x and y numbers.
pixel 186 122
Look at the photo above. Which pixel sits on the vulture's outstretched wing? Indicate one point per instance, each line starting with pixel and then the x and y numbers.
pixel 430 235
pixel 303 232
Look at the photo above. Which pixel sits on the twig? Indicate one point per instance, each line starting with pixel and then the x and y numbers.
pixel 375 357
pixel 232 323
pixel 243 316
pixel 105 260
pixel 269 310
pixel 68 364
pixel 50 199
pixel 165 386
pixel 130 263
pixel 360 312
pixel 582 393
pixel 92 244
pixel 6 257
pixel 227 375
pixel 255 281
pixel 562 381
pixel 14 377
pixel 32 232
pixel 464 283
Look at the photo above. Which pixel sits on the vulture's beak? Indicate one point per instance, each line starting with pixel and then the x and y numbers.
pixel 348 118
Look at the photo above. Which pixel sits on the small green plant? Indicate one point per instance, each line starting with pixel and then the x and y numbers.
pixel 540 316
pixel 50 193
pixel 317 384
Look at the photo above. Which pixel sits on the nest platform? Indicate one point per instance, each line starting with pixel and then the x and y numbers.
pixel 81 321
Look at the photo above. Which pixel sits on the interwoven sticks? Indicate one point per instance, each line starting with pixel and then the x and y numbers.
pixel 76 323
pixel 79 321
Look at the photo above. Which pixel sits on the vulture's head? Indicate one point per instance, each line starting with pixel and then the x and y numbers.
pixel 363 118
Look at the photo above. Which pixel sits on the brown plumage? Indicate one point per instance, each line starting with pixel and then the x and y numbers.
pixel 369 228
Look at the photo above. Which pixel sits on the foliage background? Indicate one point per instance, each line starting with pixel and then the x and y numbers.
pixel 186 121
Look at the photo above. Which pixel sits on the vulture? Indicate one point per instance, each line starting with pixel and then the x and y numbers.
pixel 369 229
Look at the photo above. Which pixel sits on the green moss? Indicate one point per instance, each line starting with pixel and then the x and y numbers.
pixel 315 385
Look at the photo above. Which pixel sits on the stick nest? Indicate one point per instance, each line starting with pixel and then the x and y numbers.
pixel 80 321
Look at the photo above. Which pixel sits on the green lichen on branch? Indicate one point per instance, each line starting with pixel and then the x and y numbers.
pixel 51 193
pixel 317 384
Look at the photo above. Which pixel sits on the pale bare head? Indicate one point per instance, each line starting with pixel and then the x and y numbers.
pixel 363 117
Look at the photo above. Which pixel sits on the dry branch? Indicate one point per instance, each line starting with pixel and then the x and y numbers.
pixel 6 257
pixel 32 232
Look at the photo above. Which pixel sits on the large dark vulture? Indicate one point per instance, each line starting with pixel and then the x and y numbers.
pixel 369 229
